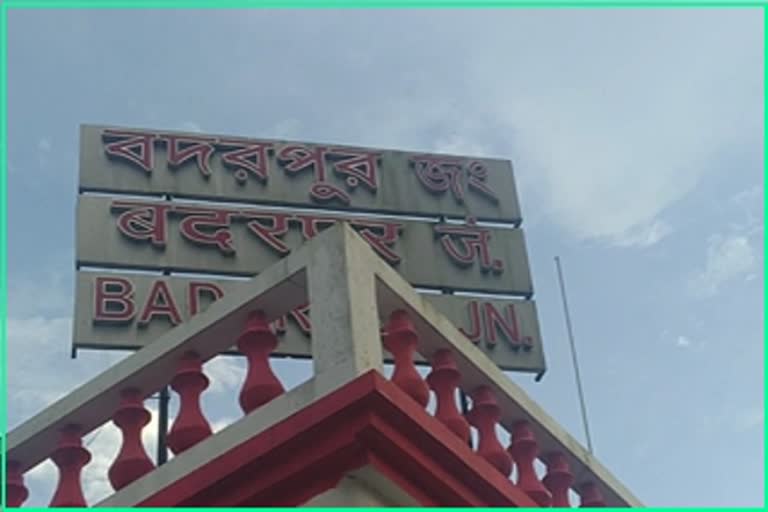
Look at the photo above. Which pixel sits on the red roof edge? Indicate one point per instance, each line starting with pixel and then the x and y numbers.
pixel 368 421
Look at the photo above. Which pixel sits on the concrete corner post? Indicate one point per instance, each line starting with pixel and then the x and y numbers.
pixel 345 321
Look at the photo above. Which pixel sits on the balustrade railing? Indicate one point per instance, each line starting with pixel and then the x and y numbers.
pixel 350 289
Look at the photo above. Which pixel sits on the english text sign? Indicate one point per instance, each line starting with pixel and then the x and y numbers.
pixel 128 311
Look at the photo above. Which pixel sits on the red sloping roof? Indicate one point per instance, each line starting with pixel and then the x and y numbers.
pixel 368 421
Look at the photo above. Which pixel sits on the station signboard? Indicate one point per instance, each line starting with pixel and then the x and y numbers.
pixel 228 207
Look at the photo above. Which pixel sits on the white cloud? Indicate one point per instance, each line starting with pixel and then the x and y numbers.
pixel 45 471
pixel 644 235
pixel 103 444
pixel 226 373
pixel 458 145
pixel 51 282
pixel 683 341
pixel 750 203
pixel 222 423
pixel 36 345
pixel 605 132
pixel 728 257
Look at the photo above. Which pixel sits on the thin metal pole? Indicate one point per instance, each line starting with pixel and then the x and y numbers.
pixel 573 355
pixel 162 425
pixel 163 398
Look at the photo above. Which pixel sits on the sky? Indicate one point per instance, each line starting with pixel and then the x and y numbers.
pixel 636 137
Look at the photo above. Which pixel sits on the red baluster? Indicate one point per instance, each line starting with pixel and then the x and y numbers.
pixel 257 341
pixel 190 426
pixel 70 457
pixel 444 379
pixel 524 450
pixel 558 479
pixel 15 490
pixel 484 416
pixel 132 462
pixel 400 340
pixel 591 497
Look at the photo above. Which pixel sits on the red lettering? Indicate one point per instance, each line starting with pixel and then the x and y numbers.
pixel 143 221
pixel 195 291
pixel 302 157
pixel 182 148
pixel 381 235
pixel 311 225
pixel 466 243
pixel 135 147
pixel 120 295
pixel 250 158
pixel 198 218
pixel 270 234
pixel 437 174
pixel 278 326
pixel 476 181
pixel 508 326
pixel 360 167
pixel 475 332
pixel 300 315
pixel 299 158
pixel 160 303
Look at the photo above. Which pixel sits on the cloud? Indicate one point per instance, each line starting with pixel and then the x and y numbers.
pixel 52 281
pixel 728 257
pixel 749 203
pixel 222 423
pixel 226 373
pixel 455 144
pixel 683 341
pixel 36 345
pixel 644 235
pixel 103 444
pixel 605 132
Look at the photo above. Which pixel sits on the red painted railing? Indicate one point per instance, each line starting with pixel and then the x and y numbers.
pixel 490 411
pixel 550 490
pixel 261 385
pixel 190 427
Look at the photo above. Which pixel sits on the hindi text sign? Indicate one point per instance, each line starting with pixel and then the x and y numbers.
pixel 189 237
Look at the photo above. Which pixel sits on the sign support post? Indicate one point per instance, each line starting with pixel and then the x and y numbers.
pixel 162 425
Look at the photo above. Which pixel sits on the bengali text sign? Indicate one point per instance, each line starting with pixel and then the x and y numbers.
pixel 223 168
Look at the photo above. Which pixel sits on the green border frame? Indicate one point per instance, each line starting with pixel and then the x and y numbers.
pixel 371 4
pixel 7 5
